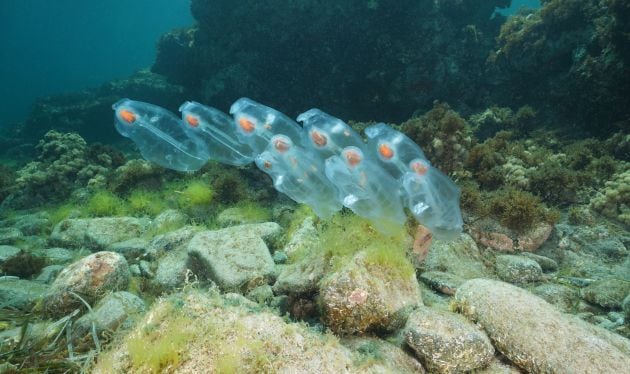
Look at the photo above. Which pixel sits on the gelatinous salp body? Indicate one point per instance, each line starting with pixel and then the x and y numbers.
pixel 160 136
pixel 326 134
pixel 256 124
pixel 366 189
pixel 299 173
pixel 433 199
pixel 216 129
pixel 430 195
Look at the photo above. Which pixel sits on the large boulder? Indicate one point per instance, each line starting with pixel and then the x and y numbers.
pixel 90 278
pixel 446 342
pixel 362 296
pixel 201 332
pixel 97 233
pixel 608 293
pixel 237 260
pixel 536 336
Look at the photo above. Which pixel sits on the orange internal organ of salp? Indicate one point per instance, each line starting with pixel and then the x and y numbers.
pixel 318 138
pixel 127 116
pixel 267 164
pixel 385 151
pixel 281 145
pixel 353 158
pixel 246 125
pixel 192 120
pixel 419 168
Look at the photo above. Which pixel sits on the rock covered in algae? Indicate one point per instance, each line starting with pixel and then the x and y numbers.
pixel 536 336
pixel 202 332
pixel 361 296
pixel 608 293
pixel 446 342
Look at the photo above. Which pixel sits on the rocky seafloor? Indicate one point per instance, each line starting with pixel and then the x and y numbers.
pixel 112 264
pixel 109 263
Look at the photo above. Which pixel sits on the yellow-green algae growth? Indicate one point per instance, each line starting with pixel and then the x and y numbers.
pixel 344 235
pixel 201 331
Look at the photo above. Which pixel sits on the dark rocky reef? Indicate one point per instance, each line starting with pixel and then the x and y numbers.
pixel 88 112
pixel 357 60
pixel 569 60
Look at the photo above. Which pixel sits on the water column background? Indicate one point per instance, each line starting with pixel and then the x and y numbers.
pixel 51 47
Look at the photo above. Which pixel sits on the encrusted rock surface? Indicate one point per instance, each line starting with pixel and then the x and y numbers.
pixel 360 297
pixel 517 269
pixel 90 278
pixel 446 342
pixel 535 335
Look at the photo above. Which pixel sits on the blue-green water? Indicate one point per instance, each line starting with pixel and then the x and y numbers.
pixel 60 46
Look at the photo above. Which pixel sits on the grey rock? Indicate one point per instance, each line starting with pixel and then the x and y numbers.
pixel 460 257
pixel 49 273
pixel 145 269
pixel 612 248
pixel 279 257
pixel 270 232
pixel 235 216
pixel 8 251
pixel 19 293
pixel 9 235
pixel 97 233
pixel 442 282
pixel 302 276
pixel 237 324
pixel 171 270
pixel 135 270
pixel 237 260
pixel 168 220
pixel 597 241
pixel 303 238
pixel 130 248
pixel 91 278
pixel 171 241
pixel 261 295
pixel 32 224
pixel 115 310
pixel 56 255
pixel 517 269
pixel 625 306
pixel 563 297
pixel 608 293
pixel 446 342
pixel 546 264
pixel 535 335
pixel 385 356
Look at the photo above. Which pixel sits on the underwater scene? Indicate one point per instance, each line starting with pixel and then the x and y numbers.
pixel 380 186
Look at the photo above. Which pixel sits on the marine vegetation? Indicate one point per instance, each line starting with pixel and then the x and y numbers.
pixel 65 162
pixel 520 210
pixel 443 134
pixel 569 60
